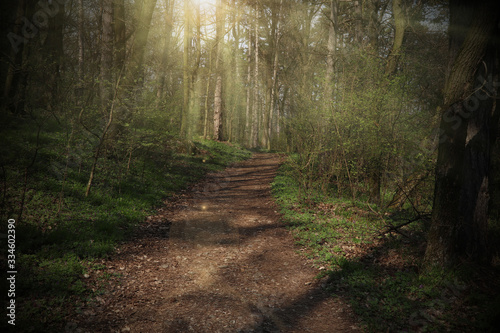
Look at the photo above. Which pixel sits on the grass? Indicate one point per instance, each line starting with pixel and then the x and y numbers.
pixel 62 233
pixel 379 273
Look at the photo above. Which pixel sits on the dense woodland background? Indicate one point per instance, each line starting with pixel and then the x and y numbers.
pixel 391 103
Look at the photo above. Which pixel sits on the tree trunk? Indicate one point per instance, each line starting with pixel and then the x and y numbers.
pixel 399 33
pixel 372 7
pixel 459 217
pixel 376 163
pixel 332 49
pixel 144 13
pixel 81 52
pixel 52 50
pixel 14 89
pixel 248 133
pixel 255 114
pixel 185 71
pixel 218 103
pixel 119 34
pixel 132 77
pixel 274 82
pixel 207 93
pixel 105 82
pixel 169 17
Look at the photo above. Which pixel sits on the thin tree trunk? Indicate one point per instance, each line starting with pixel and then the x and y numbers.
pixel 169 15
pixel 185 71
pixel 13 97
pixel 133 73
pixel 119 34
pixel 255 115
pixel 332 50
pixel 218 103
pixel 372 7
pixel 399 33
pixel 207 93
pixel 81 52
pixel 248 133
pixel 144 13
pixel 52 49
pixel 102 138
pixel 106 54
pixel 376 163
pixel 237 94
pixel 275 76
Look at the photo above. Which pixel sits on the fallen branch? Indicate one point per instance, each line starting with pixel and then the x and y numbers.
pixel 395 228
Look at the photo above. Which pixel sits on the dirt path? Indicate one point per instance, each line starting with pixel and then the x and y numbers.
pixel 216 260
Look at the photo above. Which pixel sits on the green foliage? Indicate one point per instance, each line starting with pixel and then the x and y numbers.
pixel 371 138
pixel 61 231
pixel 326 225
pixel 379 275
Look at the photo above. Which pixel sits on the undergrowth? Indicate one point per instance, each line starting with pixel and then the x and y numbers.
pixel 377 271
pixel 61 232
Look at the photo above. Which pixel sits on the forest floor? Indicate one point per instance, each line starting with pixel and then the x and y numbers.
pixel 214 259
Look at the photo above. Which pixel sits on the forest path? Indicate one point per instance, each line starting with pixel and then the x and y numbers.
pixel 216 260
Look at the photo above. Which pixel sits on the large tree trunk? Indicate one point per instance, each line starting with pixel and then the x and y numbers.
pixel 459 217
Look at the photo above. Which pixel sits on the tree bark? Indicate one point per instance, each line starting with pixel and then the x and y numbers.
pixel 185 71
pixel 52 50
pixel 119 34
pixel 81 53
pixel 376 163
pixel 14 89
pixel 131 77
pixel 105 82
pixel 218 103
pixel 248 133
pixel 274 82
pixel 372 7
pixel 169 17
pixel 332 49
pixel 144 13
pixel 255 114
pixel 399 33
pixel 459 218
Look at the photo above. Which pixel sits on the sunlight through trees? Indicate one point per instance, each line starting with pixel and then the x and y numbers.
pixel 355 91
